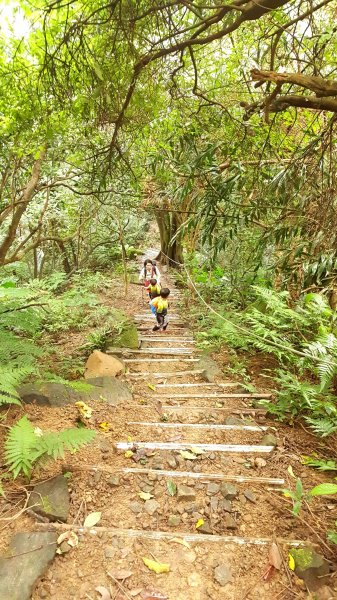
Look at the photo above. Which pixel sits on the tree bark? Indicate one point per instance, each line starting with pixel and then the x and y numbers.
pixel 20 209
pixel 171 252
pixel 321 87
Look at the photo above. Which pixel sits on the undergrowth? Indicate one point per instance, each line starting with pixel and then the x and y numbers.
pixel 302 338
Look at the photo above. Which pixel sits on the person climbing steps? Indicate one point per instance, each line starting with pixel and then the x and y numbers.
pixel 160 304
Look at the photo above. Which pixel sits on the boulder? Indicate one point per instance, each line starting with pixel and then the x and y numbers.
pixel 32 553
pixel 103 365
pixel 51 499
pixel 310 566
pixel 110 389
pixel 209 367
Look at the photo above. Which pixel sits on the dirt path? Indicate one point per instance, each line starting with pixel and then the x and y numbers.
pixel 185 478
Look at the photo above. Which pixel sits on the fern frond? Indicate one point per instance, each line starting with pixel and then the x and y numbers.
pixel 10 379
pixel 25 445
pixel 18 447
pixel 54 444
pixel 322 427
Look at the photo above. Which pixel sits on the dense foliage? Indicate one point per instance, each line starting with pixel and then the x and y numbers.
pixel 216 120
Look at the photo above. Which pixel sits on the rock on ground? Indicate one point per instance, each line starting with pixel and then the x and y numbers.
pixel 126 335
pixel 19 574
pixel 209 367
pixel 58 394
pixel 222 574
pixel 51 499
pixel 100 364
pixel 309 566
pixel 186 493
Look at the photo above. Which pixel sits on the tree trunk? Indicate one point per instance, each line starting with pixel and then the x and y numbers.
pixel 171 252
pixel 64 255
pixel 21 207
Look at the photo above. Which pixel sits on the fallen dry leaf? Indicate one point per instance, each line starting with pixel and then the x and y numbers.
pixel 199 523
pixel 182 542
pixel 145 495
pixel 92 519
pixel 135 592
pixel 187 455
pixel 70 537
pixel 155 566
pixel 121 574
pixel 275 558
pixel 153 595
pixel 105 594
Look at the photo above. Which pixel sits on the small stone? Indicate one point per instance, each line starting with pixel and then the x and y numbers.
pixel 228 490
pixel 186 493
pixel 205 528
pixel 225 505
pixel 136 507
pixel 214 504
pixel 194 580
pixel 173 520
pixel 212 489
pixel 109 552
pixel 222 575
pixel 104 446
pixel 242 499
pixel 250 496
pixel 152 477
pixel 269 440
pixel 171 461
pixel 64 547
pixel 212 456
pixel 145 487
pixel 230 522
pixel 97 476
pixel 325 593
pixel 158 465
pixel 44 592
pixel 247 518
pixel 260 462
pixel 114 481
pixel 51 499
pixel 151 506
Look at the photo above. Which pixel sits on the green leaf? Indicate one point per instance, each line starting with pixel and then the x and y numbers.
pixel 324 489
pixel 171 488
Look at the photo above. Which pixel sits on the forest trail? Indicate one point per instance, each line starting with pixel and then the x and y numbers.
pixel 190 482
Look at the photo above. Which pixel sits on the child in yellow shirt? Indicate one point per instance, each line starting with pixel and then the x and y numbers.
pixel 160 304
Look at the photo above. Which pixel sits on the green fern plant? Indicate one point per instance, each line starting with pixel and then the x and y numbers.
pixel 25 445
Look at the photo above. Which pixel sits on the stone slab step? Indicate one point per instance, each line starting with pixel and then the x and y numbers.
pixel 166 535
pixel 210 427
pixel 234 448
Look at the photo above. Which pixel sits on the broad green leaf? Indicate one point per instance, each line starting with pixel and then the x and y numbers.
pixel 324 489
pixel 171 488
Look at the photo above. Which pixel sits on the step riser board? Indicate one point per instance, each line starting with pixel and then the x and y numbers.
pixel 206 395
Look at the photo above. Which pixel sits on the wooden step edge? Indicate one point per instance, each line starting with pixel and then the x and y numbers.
pixel 167 535
pixel 173 473
pixel 227 409
pixel 234 448
pixel 146 360
pixel 182 339
pixel 211 426
pixel 168 374
pixel 199 384
pixel 154 351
